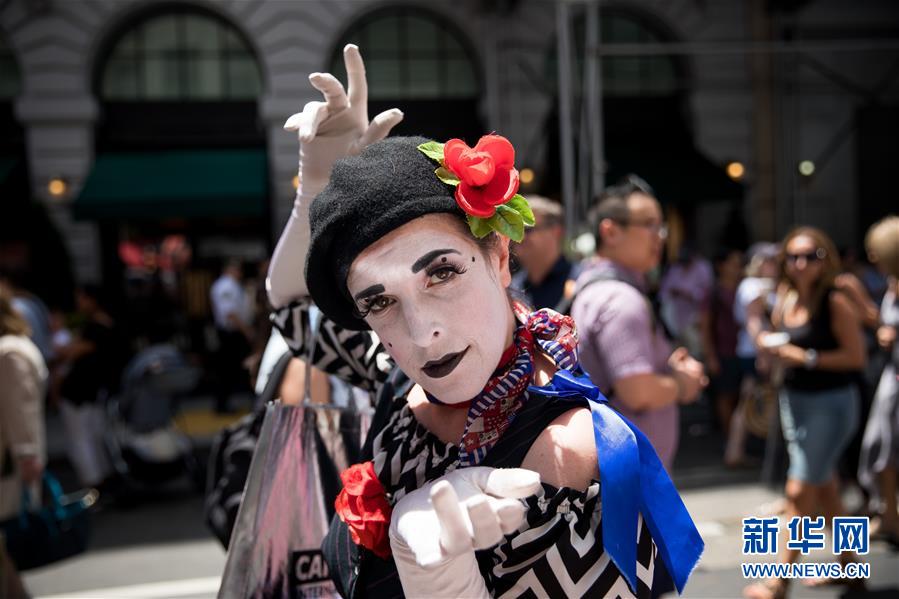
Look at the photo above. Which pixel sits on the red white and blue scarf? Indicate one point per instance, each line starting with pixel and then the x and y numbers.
pixel 633 481
pixel 493 409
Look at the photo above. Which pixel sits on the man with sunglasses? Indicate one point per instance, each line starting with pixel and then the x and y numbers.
pixel 623 344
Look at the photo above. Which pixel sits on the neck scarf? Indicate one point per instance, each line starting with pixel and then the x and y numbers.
pixel 633 482
pixel 493 409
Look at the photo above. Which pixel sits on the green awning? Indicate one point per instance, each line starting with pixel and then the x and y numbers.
pixel 175 184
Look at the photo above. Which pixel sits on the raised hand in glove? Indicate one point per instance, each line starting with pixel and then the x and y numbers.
pixel 435 530
pixel 327 131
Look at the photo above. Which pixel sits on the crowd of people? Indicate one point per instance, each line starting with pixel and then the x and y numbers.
pixel 781 339
pixel 784 334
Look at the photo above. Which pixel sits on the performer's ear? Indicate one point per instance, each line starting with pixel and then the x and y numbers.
pixel 500 254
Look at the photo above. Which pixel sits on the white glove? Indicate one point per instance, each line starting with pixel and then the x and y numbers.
pixel 327 131
pixel 435 530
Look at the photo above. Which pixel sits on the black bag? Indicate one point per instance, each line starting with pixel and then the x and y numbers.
pixel 58 529
pixel 229 460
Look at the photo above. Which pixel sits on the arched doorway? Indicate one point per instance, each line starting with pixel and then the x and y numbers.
pixel 180 179
pixel 418 61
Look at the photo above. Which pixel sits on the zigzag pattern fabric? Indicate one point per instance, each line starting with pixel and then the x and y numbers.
pixel 559 553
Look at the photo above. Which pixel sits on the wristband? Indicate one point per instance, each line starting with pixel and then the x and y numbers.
pixel 811 358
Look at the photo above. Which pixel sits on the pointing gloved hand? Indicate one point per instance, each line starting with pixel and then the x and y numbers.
pixel 327 131
pixel 435 530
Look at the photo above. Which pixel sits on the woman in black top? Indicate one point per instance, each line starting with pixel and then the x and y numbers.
pixel 819 401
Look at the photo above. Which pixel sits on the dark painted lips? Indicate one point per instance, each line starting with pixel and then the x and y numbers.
pixel 437 369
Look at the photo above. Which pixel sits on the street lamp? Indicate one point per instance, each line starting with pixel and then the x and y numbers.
pixel 735 170
pixel 57 187
pixel 806 168
pixel 526 176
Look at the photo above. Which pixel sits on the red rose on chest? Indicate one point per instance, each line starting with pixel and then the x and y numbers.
pixel 363 506
pixel 486 173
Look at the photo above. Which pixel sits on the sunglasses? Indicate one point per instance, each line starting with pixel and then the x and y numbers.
pixel 654 227
pixel 815 256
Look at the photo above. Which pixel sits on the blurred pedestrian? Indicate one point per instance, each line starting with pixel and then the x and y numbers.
pixel 23 377
pixel 96 355
pixel 683 292
pixel 821 351
pixel 61 338
pixel 546 275
pixel 719 335
pixel 33 310
pixel 880 445
pixel 872 280
pixel 623 345
pixel 232 312
pixel 868 311
pixel 753 303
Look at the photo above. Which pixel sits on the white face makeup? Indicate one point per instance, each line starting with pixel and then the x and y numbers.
pixel 437 304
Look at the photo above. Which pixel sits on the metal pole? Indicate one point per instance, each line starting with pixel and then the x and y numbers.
pixel 566 146
pixel 593 67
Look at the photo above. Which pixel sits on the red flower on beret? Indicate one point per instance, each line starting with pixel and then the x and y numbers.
pixel 487 174
pixel 362 504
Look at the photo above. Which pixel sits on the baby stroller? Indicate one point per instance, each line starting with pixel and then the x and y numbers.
pixel 146 448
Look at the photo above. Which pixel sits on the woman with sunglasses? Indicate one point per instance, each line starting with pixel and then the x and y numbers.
pixel 492 466
pixel 818 341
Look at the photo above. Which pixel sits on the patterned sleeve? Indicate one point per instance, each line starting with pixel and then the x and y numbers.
pixel 559 553
pixel 357 357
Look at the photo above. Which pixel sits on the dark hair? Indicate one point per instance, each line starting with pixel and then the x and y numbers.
pixel 550 213
pixel 612 202
pixel 722 254
pixel 11 322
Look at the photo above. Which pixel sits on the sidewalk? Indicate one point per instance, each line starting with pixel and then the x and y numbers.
pixel 718 499
pixel 163 550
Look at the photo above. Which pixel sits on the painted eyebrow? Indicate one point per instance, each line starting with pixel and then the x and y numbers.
pixel 427 258
pixel 369 291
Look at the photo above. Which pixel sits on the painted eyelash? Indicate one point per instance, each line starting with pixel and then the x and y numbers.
pixel 361 313
pixel 365 309
pixel 451 266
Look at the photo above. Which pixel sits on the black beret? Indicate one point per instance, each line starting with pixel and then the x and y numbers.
pixel 387 185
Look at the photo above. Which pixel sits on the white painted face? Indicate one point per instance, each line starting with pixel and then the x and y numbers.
pixel 437 304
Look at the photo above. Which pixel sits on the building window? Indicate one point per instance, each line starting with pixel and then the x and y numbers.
pixel 624 76
pixel 180 56
pixel 10 80
pixel 410 54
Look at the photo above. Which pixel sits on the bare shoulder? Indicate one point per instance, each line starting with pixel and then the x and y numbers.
pixel 841 307
pixel 565 453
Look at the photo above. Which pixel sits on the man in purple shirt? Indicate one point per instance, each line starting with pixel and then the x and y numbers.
pixel 623 345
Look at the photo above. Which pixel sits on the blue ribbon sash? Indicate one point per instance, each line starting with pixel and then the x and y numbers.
pixel 633 482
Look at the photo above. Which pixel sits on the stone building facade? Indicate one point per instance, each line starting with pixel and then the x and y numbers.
pixel 765 84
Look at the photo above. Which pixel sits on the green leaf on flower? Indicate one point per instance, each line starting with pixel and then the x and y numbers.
pixel 480 227
pixel 508 222
pixel 447 176
pixel 433 150
pixel 520 205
